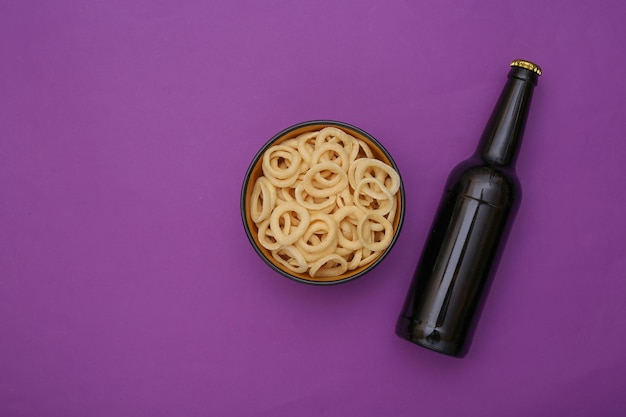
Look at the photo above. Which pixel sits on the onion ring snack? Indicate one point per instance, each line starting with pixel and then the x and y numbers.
pixel 322 202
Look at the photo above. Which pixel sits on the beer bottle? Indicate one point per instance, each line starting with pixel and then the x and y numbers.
pixel 480 200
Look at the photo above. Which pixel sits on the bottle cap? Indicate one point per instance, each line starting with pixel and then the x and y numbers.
pixel 527 65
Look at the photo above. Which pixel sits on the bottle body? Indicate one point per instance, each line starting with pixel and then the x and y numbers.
pixel 480 201
pixel 459 259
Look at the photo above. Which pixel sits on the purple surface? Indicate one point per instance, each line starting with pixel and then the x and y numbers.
pixel 128 287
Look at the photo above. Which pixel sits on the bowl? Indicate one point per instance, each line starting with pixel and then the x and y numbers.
pixel 332 275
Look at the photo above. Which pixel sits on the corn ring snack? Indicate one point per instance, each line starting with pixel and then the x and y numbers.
pixel 323 204
pixel 305 143
pixel 369 240
pixel 351 172
pixel 380 171
pixel 320 235
pixel 367 256
pixel 290 258
pixel 329 266
pixel 295 233
pixel 282 183
pixel 348 219
pixel 325 153
pixel 263 193
pixel 334 135
pixel 311 202
pixel 266 237
pixel 281 162
pixel 381 202
pixel 353 258
pixel 339 180
pixel 360 149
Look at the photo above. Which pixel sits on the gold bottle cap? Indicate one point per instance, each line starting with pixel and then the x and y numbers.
pixel 527 65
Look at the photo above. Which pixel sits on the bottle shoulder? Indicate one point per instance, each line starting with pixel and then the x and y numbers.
pixel 493 185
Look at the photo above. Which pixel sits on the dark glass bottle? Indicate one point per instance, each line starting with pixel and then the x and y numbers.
pixel 481 198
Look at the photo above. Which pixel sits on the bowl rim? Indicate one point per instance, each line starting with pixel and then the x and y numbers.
pixel 259 155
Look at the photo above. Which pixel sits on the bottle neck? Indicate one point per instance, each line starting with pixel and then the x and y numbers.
pixel 502 135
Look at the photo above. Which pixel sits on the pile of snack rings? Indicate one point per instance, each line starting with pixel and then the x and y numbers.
pixel 324 204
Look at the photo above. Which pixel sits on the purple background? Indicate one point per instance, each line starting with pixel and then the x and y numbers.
pixel 127 284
